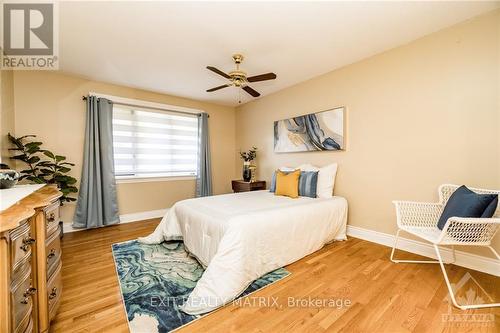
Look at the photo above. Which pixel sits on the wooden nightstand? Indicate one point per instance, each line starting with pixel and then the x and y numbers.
pixel 242 186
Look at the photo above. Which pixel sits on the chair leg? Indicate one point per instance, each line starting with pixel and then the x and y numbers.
pixel 410 261
pixel 450 289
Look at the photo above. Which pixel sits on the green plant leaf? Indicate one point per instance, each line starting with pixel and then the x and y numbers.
pixel 71 180
pixel 22 157
pixel 62 178
pixel 49 154
pixel 15 141
pixel 64 169
pixel 37 180
pixel 73 189
pixel 26 136
pixel 60 158
pixel 65 191
pixel 33 144
pixel 33 159
pixel 67 163
pixel 32 150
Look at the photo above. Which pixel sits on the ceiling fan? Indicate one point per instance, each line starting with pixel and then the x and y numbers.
pixel 239 79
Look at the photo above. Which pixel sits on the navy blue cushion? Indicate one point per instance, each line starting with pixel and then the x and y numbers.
pixel 465 203
pixel 308 183
pixel 491 209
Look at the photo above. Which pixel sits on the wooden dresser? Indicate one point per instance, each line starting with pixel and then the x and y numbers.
pixel 30 262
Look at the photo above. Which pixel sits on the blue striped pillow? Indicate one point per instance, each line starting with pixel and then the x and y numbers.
pixel 273 183
pixel 308 183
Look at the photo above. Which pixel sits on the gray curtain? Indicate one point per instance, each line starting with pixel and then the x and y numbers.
pixel 204 177
pixel 97 205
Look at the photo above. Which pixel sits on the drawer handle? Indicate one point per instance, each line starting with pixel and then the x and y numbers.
pixel 27 243
pixel 51 254
pixel 30 291
pixel 53 293
pixel 27 294
pixel 52 217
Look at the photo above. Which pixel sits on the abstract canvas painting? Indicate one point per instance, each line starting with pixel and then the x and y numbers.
pixel 312 132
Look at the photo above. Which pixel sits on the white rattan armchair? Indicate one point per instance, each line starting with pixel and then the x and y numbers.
pixel 420 219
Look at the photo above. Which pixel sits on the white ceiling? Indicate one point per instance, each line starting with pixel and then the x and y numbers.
pixel 165 46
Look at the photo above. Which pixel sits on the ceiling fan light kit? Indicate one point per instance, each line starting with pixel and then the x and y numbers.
pixel 239 79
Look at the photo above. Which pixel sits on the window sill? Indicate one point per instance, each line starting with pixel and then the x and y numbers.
pixel 126 180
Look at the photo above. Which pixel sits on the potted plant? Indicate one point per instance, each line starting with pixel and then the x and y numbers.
pixel 43 166
pixel 248 157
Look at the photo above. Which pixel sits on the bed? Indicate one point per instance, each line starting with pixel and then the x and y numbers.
pixel 242 236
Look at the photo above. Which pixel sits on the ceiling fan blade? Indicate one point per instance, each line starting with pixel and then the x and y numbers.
pixel 261 77
pixel 219 87
pixel 215 70
pixel 251 91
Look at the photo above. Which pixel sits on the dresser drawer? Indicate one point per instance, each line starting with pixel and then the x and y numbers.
pixel 53 252
pixel 21 242
pixel 21 295
pixel 54 290
pixel 52 218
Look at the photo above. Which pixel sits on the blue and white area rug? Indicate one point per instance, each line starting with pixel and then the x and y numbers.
pixel 155 280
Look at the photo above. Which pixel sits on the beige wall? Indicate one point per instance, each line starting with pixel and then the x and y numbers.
pixel 6 115
pixel 50 105
pixel 418 116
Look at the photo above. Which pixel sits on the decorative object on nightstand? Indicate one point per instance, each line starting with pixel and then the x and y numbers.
pixel 248 157
pixel 243 186
pixel 253 173
pixel 8 177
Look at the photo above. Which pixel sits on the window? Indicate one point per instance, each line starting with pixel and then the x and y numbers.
pixel 150 143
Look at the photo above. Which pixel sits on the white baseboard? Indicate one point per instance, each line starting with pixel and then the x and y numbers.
pixel 464 259
pixel 126 218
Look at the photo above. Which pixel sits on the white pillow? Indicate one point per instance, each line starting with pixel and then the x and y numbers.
pixel 307 167
pixel 326 178
pixel 287 169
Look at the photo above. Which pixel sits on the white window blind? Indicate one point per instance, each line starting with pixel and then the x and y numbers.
pixel 150 143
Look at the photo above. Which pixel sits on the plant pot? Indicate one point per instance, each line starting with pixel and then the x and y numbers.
pixel 8 178
pixel 247 173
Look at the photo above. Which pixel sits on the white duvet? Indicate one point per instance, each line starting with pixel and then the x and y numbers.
pixel 243 236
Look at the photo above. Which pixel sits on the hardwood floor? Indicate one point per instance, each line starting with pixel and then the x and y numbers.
pixel 385 297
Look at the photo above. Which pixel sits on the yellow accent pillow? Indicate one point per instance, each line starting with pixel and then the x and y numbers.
pixel 287 184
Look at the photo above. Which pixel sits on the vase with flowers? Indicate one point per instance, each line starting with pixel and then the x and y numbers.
pixel 248 157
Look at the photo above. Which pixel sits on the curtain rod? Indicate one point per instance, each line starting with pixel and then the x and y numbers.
pixel 153 108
